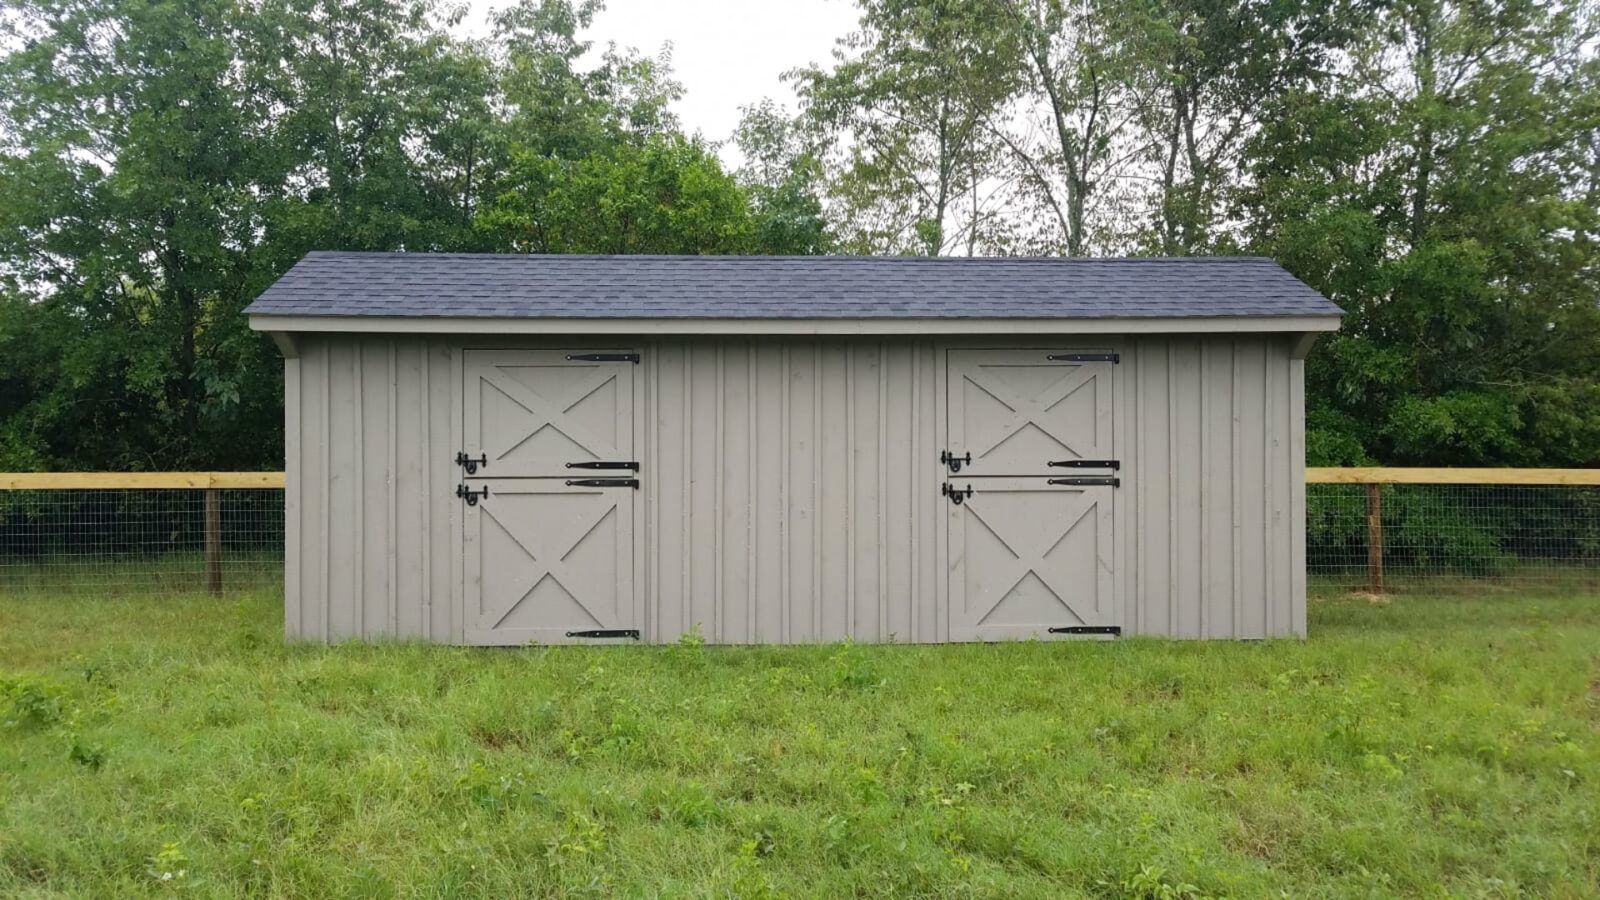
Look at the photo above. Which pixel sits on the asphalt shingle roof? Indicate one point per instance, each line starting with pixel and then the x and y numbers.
pixel 783 287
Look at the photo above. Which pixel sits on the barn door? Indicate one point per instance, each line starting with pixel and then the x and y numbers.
pixel 549 562
pixel 549 483
pixel 532 412
pixel 1013 412
pixel 1027 557
pixel 1029 473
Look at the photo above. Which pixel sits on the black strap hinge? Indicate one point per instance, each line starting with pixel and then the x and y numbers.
pixel 606 633
pixel 604 357
pixel 604 464
pixel 604 482
pixel 1091 481
pixel 1088 629
pixel 1085 357
pixel 1085 464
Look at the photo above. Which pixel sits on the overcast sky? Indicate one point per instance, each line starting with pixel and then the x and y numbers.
pixel 727 53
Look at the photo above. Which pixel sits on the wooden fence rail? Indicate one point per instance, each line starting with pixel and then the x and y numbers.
pixel 115 481
pixel 47 481
pixel 1386 475
pixel 213 483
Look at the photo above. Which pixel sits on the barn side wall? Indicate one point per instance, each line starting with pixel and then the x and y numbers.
pixel 791 487
pixel 1215 496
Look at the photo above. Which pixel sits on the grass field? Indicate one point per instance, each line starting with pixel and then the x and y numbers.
pixel 1422 747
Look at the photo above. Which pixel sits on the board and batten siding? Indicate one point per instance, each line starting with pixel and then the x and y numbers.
pixel 791 486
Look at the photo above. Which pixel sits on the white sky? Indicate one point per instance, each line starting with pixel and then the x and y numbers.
pixel 727 53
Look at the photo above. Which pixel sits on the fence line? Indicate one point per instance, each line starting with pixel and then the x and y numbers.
pixel 100 481
pixel 34 481
pixel 1375 477
pixel 1388 475
pixel 1367 528
pixel 160 531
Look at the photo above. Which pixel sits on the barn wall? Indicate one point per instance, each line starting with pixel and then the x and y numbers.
pixel 783 489
pixel 369 510
pixel 1214 502
pixel 791 488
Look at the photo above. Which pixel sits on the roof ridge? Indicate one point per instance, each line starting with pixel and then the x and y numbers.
pixel 835 257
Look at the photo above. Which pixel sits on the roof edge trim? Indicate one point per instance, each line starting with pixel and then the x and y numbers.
pixel 840 326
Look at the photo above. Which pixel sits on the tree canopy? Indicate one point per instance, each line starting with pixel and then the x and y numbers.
pixel 162 161
pixel 1431 165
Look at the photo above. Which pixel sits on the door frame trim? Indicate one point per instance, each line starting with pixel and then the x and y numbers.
pixel 1123 395
pixel 644 451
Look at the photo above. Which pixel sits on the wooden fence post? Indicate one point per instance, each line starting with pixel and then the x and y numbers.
pixel 1375 537
pixel 213 540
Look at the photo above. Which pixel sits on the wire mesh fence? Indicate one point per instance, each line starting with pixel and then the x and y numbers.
pixel 141 540
pixel 1389 537
pixel 1452 538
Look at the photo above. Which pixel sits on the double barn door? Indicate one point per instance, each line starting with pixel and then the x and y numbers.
pixel 549 480
pixel 1030 473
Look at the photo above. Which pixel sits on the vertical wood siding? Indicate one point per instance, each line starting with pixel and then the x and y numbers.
pixel 791 488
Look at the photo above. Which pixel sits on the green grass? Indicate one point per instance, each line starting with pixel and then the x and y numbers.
pixel 1430 746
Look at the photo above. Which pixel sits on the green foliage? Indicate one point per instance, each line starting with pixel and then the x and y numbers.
pixel 1445 195
pixel 162 161
pixel 783 175
pixel 1428 745
pixel 904 114
pixel 35 702
pixel 666 195
pixel 1428 164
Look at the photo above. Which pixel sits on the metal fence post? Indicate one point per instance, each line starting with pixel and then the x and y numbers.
pixel 1375 537
pixel 213 540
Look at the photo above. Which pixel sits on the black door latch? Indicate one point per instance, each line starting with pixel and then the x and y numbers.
pixel 604 482
pixel 471 496
pixel 600 464
pixel 470 464
pixel 953 461
pixel 956 495
pixel 604 357
pixel 606 633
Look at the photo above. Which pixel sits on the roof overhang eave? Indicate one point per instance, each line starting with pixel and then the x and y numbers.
pixel 485 325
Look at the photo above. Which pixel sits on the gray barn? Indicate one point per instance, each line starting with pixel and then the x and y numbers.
pixel 491 449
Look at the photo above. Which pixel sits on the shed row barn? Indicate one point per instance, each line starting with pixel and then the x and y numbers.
pixel 501 449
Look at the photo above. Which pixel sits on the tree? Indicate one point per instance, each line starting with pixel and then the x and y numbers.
pixel 1209 68
pixel 127 213
pixel 1070 132
pixel 558 110
pixel 907 106
pixel 783 176
pixel 668 195
pixel 381 131
pixel 1443 194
